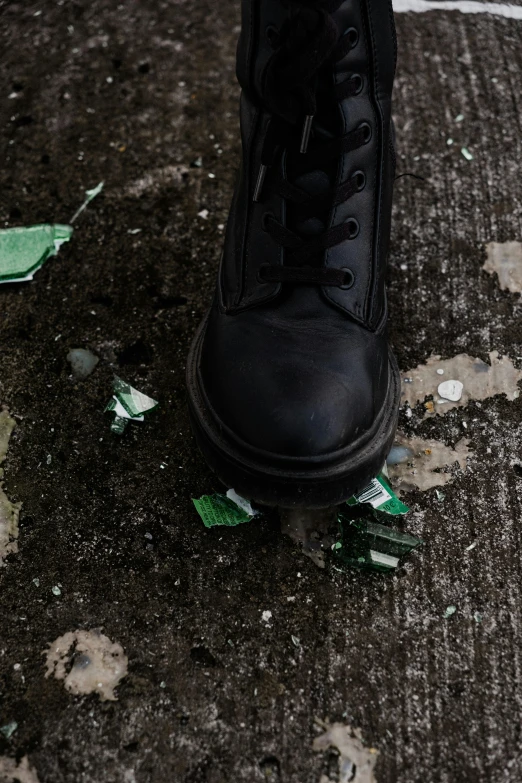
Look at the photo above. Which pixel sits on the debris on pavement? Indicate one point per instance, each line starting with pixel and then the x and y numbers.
pixel 418 463
pixel 128 404
pixel 370 545
pixel 12 771
pixel 24 249
pixel 362 543
pixel 9 512
pixel 98 664
pixel 479 379
pixel 218 509
pixel 82 362
pixel 466 153
pixel 505 260
pixel 356 763
pixel 89 195
pixel 450 611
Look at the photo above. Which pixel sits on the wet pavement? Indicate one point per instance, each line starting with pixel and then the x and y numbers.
pixel 218 689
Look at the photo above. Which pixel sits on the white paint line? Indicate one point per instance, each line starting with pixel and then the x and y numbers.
pixel 464 6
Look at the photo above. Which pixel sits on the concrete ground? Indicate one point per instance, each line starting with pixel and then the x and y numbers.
pixel 132 94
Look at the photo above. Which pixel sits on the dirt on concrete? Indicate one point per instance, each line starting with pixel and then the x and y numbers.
pixel 134 94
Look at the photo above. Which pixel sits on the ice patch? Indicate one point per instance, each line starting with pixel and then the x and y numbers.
pixel 13 772
pixel 420 459
pixel 98 665
pixel 9 512
pixel 356 763
pixel 505 259
pixel 480 380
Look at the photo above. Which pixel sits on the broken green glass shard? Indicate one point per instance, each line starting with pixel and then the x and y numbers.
pixel 9 729
pixel 24 249
pixel 119 424
pixel 89 195
pixel 380 496
pixel 217 510
pixel 128 404
pixel 134 402
pixel 372 546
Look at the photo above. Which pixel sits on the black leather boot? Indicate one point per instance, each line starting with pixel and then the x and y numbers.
pixel 293 390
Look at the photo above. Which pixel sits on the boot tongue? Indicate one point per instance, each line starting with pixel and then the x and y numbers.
pixel 317 182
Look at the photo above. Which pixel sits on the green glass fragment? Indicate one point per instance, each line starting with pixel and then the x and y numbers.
pixel 369 545
pixel 9 729
pixel 219 510
pixel 89 195
pixel 24 249
pixel 118 425
pixel 133 401
pixel 380 496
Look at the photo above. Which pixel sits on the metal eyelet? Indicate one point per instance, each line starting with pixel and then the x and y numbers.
pixel 360 83
pixel 272 36
pixel 259 276
pixel 360 180
pixel 264 219
pixel 350 279
pixel 353 37
pixel 354 226
pixel 367 131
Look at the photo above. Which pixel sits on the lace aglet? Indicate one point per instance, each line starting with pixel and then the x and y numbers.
pixel 307 129
pixel 260 182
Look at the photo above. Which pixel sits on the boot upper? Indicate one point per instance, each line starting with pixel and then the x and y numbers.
pixel 295 356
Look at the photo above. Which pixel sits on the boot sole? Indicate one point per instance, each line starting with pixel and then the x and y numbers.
pixel 289 482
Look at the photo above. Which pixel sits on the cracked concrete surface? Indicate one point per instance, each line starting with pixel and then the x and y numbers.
pixel 135 94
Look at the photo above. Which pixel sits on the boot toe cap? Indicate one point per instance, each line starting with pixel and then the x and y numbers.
pixel 294 397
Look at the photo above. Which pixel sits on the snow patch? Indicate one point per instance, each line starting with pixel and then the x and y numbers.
pixel 98 664
pixel 505 260
pixel 419 459
pixel 480 380
pixel 356 763
pixel 9 512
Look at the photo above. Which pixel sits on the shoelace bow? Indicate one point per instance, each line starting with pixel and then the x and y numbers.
pixel 292 81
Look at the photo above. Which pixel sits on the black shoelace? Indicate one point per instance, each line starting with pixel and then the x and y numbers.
pixel 305 44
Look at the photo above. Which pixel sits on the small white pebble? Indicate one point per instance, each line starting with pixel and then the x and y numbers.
pixel 212 176
pixel 440 372
pixel 451 390
pixel 266 616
